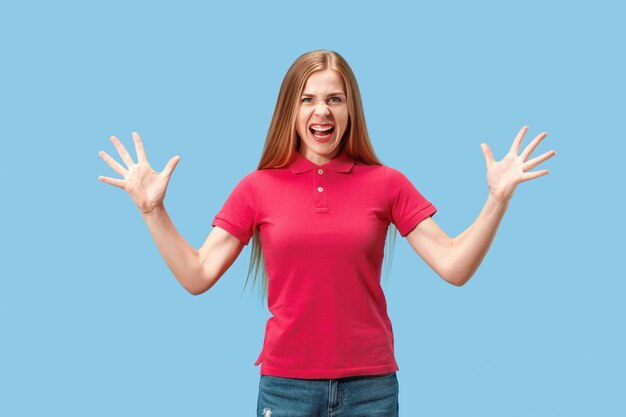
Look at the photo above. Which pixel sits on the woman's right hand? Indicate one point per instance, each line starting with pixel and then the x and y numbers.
pixel 144 185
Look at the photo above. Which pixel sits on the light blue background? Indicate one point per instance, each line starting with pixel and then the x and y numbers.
pixel 92 323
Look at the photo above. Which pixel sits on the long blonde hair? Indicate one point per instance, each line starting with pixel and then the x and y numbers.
pixel 282 138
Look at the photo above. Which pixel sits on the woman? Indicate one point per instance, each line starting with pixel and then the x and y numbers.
pixel 321 203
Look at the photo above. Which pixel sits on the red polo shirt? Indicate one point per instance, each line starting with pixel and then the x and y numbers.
pixel 323 232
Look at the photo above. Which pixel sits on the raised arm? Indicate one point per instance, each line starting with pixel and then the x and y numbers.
pixel 195 270
pixel 457 259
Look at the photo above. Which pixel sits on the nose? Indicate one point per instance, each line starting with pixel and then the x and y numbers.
pixel 321 109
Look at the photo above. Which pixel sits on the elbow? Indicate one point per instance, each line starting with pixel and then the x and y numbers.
pixel 457 278
pixel 197 288
pixel 195 291
pixel 451 270
pixel 458 282
pixel 200 283
pixel 457 273
pixel 201 286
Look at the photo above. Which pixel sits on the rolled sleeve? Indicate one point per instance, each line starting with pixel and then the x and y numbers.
pixel 407 206
pixel 238 215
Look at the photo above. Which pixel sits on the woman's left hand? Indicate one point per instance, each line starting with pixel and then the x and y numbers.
pixel 505 175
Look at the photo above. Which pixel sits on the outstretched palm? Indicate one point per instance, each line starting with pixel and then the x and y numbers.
pixel 505 175
pixel 144 185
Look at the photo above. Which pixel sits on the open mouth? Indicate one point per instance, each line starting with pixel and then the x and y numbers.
pixel 322 131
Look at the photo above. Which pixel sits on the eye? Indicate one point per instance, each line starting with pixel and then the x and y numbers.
pixel 307 100
pixel 336 100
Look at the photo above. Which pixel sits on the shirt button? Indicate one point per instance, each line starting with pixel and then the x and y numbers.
pixel 320 171
pixel 320 189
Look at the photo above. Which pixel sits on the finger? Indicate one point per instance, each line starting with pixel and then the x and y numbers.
pixel 113 164
pixel 532 175
pixel 532 145
pixel 171 165
pixel 141 153
pixel 517 142
pixel 113 181
pixel 536 161
pixel 487 154
pixel 122 151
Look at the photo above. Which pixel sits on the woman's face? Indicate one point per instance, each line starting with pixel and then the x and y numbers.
pixel 322 116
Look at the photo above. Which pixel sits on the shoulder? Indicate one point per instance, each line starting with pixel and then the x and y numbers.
pixel 392 174
pixel 383 174
pixel 245 188
pixel 397 183
pixel 262 178
pixel 387 175
pixel 251 177
pixel 255 177
pixel 377 169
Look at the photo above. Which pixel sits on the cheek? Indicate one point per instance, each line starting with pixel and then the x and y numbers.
pixel 299 122
pixel 303 118
pixel 344 117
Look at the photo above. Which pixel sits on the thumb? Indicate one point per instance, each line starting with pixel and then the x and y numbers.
pixel 487 154
pixel 171 165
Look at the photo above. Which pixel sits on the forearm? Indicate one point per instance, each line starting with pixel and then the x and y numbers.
pixel 181 258
pixel 470 247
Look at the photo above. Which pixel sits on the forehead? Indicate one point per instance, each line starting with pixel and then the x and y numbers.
pixel 324 82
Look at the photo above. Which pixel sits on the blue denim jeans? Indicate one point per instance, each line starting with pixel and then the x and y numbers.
pixel 359 396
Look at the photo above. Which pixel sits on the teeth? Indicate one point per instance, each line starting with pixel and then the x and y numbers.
pixel 321 128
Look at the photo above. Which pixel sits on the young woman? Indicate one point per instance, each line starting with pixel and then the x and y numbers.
pixel 317 210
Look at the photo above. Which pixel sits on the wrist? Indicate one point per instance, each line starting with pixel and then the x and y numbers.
pixel 152 211
pixel 496 201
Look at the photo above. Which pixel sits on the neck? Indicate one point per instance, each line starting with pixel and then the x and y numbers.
pixel 318 159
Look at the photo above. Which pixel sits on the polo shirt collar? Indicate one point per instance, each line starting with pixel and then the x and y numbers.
pixel 342 163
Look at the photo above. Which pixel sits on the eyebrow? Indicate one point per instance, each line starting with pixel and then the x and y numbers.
pixel 338 93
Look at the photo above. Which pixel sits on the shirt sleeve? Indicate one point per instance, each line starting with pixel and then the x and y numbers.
pixel 407 207
pixel 238 215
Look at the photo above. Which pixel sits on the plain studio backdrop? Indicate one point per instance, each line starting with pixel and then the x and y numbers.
pixel 92 323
